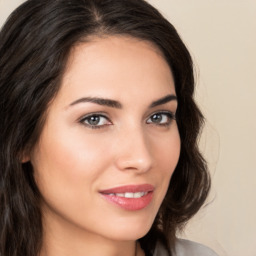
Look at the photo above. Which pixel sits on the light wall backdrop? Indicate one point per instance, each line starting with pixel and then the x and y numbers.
pixel 221 36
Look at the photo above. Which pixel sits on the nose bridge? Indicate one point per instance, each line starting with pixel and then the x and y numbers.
pixel 134 150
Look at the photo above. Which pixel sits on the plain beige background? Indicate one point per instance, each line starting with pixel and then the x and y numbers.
pixel 221 36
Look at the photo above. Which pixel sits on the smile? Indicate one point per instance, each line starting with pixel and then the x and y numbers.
pixel 131 197
pixel 129 194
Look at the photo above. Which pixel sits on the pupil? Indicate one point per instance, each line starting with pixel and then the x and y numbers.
pixel 94 120
pixel 156 118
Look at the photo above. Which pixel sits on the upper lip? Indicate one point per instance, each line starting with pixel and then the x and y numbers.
pixel 129 188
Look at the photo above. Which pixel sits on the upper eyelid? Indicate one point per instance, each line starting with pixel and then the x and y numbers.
pixel 105 115
pixel 84 121
pixel 173 113
pixel 102 114
pixel 170 115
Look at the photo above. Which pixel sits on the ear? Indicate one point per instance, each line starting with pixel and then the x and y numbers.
pixel 24 157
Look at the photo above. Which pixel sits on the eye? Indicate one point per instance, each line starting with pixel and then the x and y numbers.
pixel 95 121
pixel 161 118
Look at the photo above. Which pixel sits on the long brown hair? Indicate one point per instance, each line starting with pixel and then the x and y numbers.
pixel 34 46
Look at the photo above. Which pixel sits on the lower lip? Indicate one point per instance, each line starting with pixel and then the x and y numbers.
pixel 131 204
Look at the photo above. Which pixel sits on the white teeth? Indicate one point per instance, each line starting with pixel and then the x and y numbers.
pixel 130 194
pixel 120 194
pixel 138 194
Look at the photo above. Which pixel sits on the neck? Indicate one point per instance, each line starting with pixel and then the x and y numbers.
pixel 64 246
pixel 62 239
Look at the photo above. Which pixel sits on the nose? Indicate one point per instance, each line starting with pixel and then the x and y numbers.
pixel 133 151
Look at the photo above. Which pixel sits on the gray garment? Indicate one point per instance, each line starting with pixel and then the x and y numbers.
pixel 185 248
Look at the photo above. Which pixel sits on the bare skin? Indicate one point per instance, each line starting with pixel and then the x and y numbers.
pixel 87 146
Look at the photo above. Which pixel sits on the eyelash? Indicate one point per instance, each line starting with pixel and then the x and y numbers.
pixel 98 115
pixel 169 115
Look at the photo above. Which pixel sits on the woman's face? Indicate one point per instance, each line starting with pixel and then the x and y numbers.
pixel 110 142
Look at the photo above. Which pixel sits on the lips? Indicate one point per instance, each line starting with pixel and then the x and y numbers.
pixel 131 197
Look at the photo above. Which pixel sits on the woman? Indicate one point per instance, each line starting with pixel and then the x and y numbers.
pixel 99 130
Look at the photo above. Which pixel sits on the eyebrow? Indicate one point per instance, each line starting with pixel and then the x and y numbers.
pixel 163 100
pixel 99 101
pixel 118 105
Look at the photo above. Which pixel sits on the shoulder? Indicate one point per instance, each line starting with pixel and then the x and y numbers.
pixel 185 248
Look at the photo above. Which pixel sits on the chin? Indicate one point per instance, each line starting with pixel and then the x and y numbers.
pixel 131 230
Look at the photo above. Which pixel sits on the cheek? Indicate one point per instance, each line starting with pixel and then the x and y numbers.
pixel 168 151
pixel 66 172
pixel 69 153
pixel 166 158
pixel 66 165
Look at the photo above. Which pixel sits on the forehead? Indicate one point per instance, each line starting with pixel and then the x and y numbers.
pixel 116 66
pixel 121 42
pixel 97 48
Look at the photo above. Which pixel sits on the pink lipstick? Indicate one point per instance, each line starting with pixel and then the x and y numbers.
pixel 131 197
